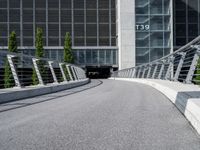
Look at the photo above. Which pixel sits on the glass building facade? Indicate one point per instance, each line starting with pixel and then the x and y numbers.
pixel 160 26
pixel 153 29
pixel 91 23
pixel 186 21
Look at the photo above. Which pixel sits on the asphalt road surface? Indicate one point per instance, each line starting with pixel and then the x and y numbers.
pixel 113 115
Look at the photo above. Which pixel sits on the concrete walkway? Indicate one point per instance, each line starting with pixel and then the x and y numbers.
pixel 115 115
pixel 186 97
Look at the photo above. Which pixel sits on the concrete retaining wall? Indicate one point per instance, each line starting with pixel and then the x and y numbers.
pixel 12 94
pixel 186 97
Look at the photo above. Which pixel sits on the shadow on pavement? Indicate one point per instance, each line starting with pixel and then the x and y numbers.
pixel 40 99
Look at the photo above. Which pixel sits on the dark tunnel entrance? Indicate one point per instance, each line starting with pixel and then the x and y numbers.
pixel 99 72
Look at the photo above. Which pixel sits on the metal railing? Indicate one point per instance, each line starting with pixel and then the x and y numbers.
pixel 20 69
pixel 183 65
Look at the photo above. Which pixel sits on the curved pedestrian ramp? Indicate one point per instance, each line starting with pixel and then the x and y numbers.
pixel 109 115
pixel 176 75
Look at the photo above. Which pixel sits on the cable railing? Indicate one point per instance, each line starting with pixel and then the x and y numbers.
pixel 19 70
pixel 182 66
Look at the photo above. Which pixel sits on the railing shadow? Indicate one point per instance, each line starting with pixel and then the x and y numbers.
pixel 36 100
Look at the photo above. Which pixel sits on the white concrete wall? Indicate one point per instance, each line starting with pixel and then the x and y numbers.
pixel 126 33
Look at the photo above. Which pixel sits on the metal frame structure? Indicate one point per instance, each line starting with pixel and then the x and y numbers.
pixel 55 70
pixel 13 70
pixel 182 65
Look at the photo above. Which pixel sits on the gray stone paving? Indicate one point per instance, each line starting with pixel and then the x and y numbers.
pixel 115 115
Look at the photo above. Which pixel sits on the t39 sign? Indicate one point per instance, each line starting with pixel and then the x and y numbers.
pixel 142 27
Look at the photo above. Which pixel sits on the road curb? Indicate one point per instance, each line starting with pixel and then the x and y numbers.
pixel 13 94
pixel 188 102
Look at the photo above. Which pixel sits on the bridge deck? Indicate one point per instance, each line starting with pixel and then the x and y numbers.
pixel 114 115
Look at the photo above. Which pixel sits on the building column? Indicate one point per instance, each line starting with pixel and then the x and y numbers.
pixel 126 33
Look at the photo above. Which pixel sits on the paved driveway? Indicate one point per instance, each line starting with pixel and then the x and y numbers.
pixel 114 115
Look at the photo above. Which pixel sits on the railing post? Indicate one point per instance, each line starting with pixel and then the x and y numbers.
pixel 84 74
pixel 52 71
pixel 144 71
pixel 37 70
pixel 129 73
pixel 126 72
pixel 138 75
pixel 73 72
pixel 62 71
pixel 133 73
pixel 178 70
pixel 122 74
pixel 161 70
pixel 193 65
pixel 69 72
pixel 73 68
pixel 171 63
pixel 119 74
pixel 81 73
pixel 149 71
pixel 154 72
pixel 13 70
pixel 77 73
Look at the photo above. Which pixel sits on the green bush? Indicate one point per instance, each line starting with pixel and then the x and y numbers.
pixel 197 77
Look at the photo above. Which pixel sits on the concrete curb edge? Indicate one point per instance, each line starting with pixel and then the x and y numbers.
pixel 21 93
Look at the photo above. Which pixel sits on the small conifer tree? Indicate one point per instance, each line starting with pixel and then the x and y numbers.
pixel 12 47
pixel 38 54
pixel 68 55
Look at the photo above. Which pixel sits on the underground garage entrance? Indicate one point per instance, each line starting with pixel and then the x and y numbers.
pixel 98 72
